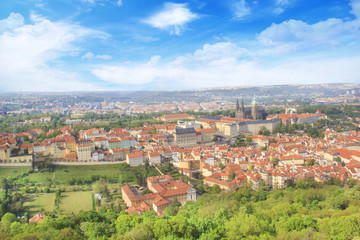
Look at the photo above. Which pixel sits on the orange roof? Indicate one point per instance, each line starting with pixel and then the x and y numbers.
pixel 83 145
pixel 114 140
pixel 159 201
pixel 144 133
pixel 292 157
pixel 120 149
pixel 4 147
pixel 37 218
pixel 135 155
pixel 205 130
pixel 26 145
pixel 154 154
pixel 96 139
pixel 157 178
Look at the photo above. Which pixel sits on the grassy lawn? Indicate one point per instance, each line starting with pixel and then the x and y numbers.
pixel 74 202
pixel 6 172
pixel 76 197
pixel 42 200
pixel 65 173
pixel 43 177
pixel 70 202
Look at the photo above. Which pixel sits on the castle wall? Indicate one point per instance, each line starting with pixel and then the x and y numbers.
pixel 253 127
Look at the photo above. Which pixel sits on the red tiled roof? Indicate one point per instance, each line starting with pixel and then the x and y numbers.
pixel 135 155
pixel 154 154
pixel 37 218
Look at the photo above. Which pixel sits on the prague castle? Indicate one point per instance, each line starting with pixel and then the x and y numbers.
pixel 254 112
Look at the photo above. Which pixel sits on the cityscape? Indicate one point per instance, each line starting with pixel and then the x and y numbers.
pixel 191 119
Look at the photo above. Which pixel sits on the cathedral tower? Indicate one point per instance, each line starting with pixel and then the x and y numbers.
pixel 254 109
pixel 240 110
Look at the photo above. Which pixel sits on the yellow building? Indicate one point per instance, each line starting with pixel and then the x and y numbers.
pixel 70 146
pixel 4 152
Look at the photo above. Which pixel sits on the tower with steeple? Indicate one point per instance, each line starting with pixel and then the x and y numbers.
pixel 240 110
pixel 254 109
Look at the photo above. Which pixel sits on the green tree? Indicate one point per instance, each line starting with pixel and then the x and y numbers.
pixel 5 185
pixel 173 209
pixel 16 228
pixel 97 230
pixel 89 216
pixel 9 217
pixel 124 223
pixel 69 234
pixel 264 131
pixel 300 223
pixel 2 210
pixel 275 161
pixel 221 165
pixel 247 226
pixel 345 227
pixel 102 187
pixel 162 228
pixel 310 162
pixel 142 231
pixel 216 189
pixel 231 176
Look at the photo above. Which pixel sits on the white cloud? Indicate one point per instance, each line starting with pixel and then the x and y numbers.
pixel 172 18
pixel 94 3
pixel 282 2
pixel 280 6
pixel 300 34
pixel 29 52
pixel 293 34
pixel 40 4
pixel 91 56
pixel 355 5
pixel 210 54
pixel 119 3
pixel 227 64
pixel 241 9
pixel 13 21
pixel 142 38
pixel 279 10
pixel 88 1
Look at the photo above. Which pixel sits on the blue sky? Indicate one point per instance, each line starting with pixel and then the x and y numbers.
pixel 74 45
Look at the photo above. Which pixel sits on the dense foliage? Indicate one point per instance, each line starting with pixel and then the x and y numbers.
pixel 305 210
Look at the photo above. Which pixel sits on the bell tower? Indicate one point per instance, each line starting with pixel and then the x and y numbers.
pixel 237 109
pixel 254 109
pixel 240 110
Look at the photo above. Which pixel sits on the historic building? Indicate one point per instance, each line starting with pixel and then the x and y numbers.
pixel 185 136
pixel 254 112
pixel 164 191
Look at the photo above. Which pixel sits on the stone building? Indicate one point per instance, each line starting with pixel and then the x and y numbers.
pixel 254 112
pixel 185 137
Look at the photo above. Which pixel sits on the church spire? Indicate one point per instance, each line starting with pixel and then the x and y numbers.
pixel 254 100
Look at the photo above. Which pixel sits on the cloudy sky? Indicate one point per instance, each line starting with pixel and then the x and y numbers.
pixel 74 45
